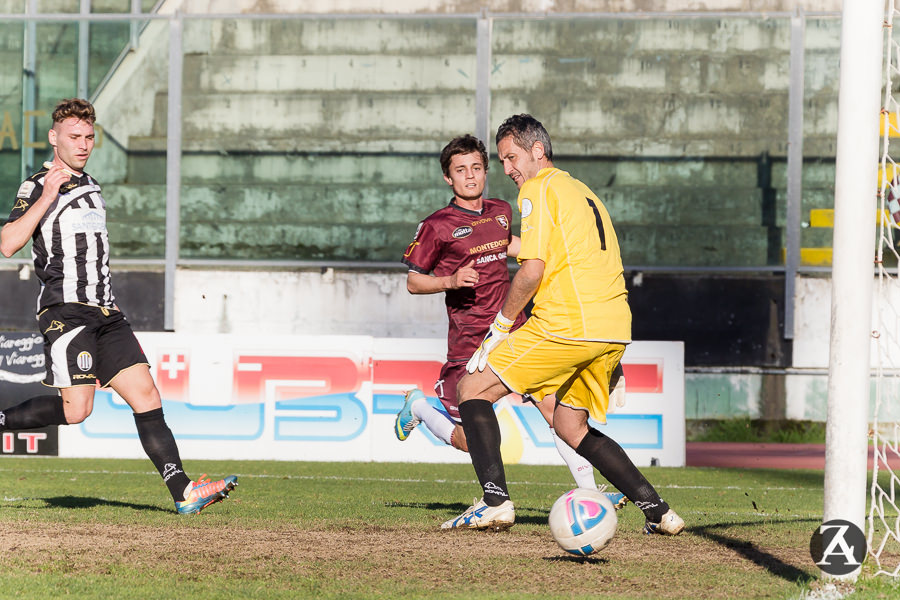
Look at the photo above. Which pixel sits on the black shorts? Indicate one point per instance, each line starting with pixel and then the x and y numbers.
pixel 85 344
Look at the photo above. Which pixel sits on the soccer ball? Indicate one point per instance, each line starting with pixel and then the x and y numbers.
pixel 583 521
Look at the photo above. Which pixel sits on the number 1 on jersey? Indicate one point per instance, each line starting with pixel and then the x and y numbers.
pixel 599 223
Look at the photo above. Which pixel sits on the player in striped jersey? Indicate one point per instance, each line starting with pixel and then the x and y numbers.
pixel 87 339
pixel 571 343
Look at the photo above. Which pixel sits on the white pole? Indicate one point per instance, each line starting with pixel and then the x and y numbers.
pixel 854 250
pixel 135 25
pixel 29 90
pixel 483 84
pixel 173 166
pixel 84 51
pixel 794 168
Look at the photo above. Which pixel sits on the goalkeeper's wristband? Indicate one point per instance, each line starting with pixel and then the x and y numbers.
pixel 502 324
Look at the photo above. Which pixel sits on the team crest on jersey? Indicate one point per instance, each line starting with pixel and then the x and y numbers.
pixel 25 190
pixel 55 326
pixel 504 222
pixel 85 361
pixel 461 232
pixel 526 207
pixel 21 204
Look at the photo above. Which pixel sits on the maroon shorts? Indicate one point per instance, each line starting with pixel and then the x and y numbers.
pixel 445 387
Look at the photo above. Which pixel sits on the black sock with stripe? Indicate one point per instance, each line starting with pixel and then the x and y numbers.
pixel 483 436
pixel 608 457
pixel 160 446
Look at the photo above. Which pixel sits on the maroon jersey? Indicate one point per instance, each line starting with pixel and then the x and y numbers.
pixel 449 239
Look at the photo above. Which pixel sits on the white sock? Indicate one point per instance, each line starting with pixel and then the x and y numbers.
pixel 581 469
pixel 437 422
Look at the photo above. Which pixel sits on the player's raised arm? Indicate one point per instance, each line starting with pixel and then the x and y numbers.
pixel 15 234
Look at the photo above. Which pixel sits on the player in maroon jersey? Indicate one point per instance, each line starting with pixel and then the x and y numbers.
pixel 461 250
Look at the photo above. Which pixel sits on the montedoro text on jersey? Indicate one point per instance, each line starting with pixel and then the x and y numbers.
pixel 70 246
pixel 451 238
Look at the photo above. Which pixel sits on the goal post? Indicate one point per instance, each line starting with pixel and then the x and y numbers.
pixel 856 186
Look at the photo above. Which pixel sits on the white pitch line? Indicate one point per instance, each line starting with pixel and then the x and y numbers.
pixel 405 480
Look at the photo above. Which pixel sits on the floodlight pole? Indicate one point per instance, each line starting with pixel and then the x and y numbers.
pixel 855 192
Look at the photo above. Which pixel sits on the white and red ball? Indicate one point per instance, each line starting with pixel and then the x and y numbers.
pixel 583 521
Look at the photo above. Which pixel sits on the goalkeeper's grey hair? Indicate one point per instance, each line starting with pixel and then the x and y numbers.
pixel 525 131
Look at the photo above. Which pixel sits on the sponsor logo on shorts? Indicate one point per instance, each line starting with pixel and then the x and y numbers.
pixel 55 326
pixel 170 471
pixel 85 361
pixel 81 376
pixel 461 232
pixel 504 222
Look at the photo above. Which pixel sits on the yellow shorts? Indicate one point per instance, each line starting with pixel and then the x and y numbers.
pixel 530 361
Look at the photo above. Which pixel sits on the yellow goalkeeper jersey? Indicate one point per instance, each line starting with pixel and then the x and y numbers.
pixel 582 295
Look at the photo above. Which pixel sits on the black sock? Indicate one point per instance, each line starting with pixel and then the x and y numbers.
pixel 612 462
pixel 159 444
pixel 483 436
pixel 39 411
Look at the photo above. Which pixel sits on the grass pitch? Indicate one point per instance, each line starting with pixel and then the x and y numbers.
pixel 107 529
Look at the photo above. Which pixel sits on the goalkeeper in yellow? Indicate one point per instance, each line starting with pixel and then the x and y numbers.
pixel 571 266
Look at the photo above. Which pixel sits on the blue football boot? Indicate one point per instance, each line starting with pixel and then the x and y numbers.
pixel 406 421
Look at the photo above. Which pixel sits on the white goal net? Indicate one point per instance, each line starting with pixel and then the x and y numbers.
pixel 883 533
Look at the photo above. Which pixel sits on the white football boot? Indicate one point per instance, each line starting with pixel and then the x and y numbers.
pixel 670 524
pixel 482 516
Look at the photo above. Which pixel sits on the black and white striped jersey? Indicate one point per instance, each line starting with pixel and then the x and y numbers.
pixel 70 247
